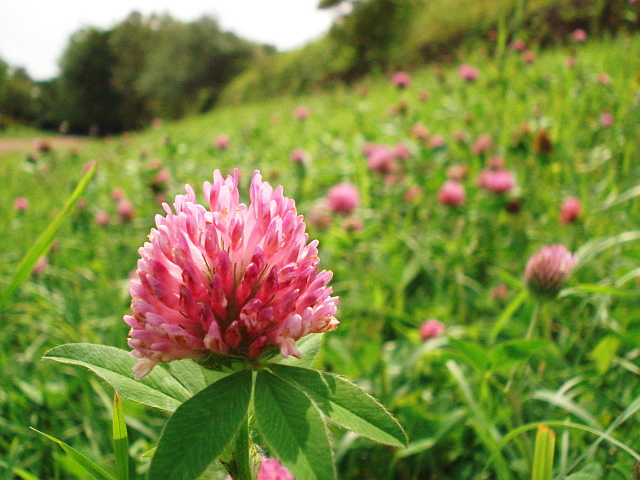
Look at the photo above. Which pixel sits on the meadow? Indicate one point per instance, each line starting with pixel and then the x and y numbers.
pixel 564 122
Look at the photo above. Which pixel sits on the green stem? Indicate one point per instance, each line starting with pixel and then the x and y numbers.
pixel 533 321
pixel 244 461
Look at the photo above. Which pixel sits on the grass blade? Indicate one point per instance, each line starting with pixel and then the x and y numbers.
pixel 44 242
pixel 90 467
pixel 120 440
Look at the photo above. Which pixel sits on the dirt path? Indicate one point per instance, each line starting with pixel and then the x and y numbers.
pixel 30 144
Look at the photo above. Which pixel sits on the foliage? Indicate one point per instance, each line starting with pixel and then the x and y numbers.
pixel 470 399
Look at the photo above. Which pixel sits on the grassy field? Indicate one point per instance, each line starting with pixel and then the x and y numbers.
pixel 564 123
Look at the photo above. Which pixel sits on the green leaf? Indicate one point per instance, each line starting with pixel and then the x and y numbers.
pixel 42 245
pixel 543 454
pixel 293 428
pixel 200 428
pixel 120 440
pixel 507 354
pixel 189 374
pixel 158 389
pixel 309 348
pixel 345 404
pixel 604 352
pixel 592 471
pixel 473 354
pixel 91 468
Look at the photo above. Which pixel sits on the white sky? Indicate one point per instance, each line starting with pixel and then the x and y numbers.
pixel 34 33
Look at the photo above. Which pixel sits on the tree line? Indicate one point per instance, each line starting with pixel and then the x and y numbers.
pixel 119 79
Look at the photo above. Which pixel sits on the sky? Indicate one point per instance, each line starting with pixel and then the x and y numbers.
pixel 34 33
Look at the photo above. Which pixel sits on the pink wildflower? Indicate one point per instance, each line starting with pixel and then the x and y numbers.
pixel 343 198
pixel 424 95
pixel 457 171
pixel 126 210
pixel 301 112
pixel 102 218
pixel 570 62
pixel 271 469
pixel 21 204
pixel 606 119
pixel 299 155
pixel 419 131
pixel 401 80
pixel 231 280
pixel 40 265
pixel 320 215
pixel 117 194
pixel 431 328
pixel 518 45
pixel 222 141
pixel 570 210
pixel 452 194
pixel 499 293
pixel 604 79
pixel 437 141
pixel 579 35
pixel 528 56
pixel 547 270
pixel 468 73
pixel 382 160
pixel 497 181
pixel 483 144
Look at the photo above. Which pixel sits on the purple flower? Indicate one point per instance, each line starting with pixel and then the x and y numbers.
pixel 452 194
pixel 570 210
pixel 431 328
pixel 343 198
pixel 230 279
pixel 401 80
pixel 468 73
pixel 547 270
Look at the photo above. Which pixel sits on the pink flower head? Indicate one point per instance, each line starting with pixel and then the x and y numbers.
pixel 547 270
pixel 21 204
pixel 343 198
pixel 452 194
pixel 117 194
pixel 570 62
pixel 320 215
pixel 301 112
pixel 431 328
pixel 497 181
pixel 483 144
pixel 126 210
pixel 499 293
pixel 299 155
pixel 222 141
pixel 401 80
pixel 437 141
pixel 424 95
pixel 579 35
pixel 457 171
pixel 604 79
pixel 468 73
pixel 102 218
pixel 229 280
pixel 528 56
pixel 518 45
pixel 40 265
pixel 401 151
pixel 606 119
pixel 570 210
pixel 419 131
pixel 382 160
pixel 271 469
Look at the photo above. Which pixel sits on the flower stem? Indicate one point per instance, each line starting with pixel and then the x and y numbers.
pixel 533 321
pixel 243 464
